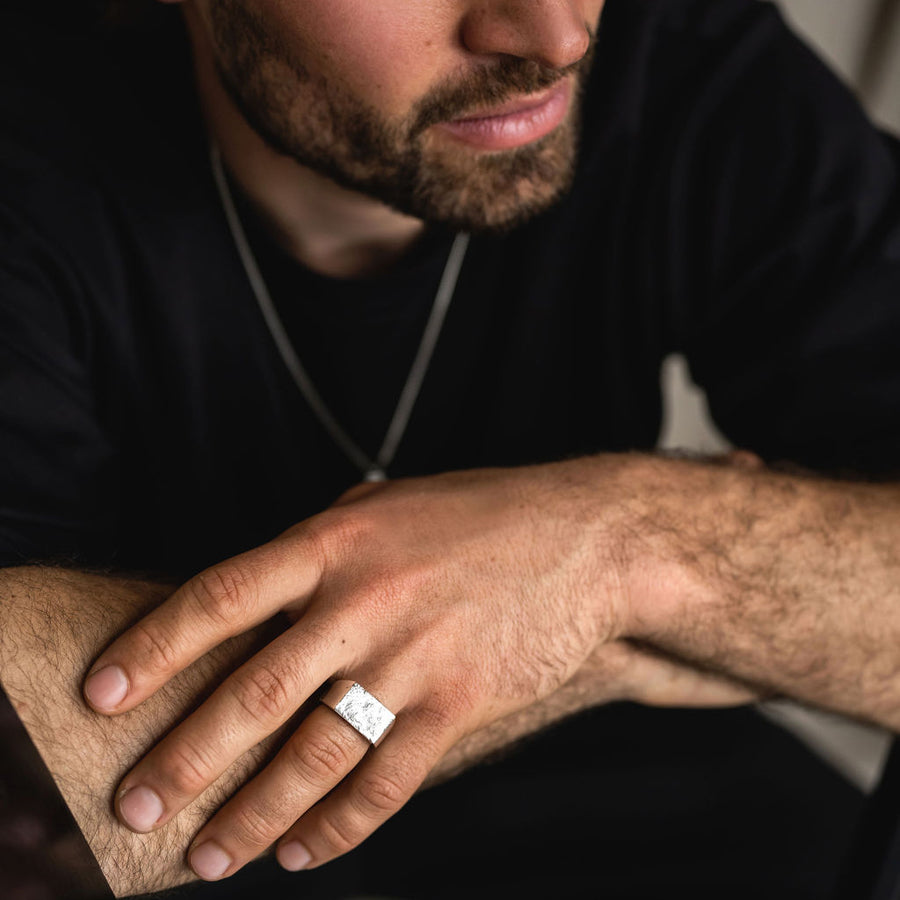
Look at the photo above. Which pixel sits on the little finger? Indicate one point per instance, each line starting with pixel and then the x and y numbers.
pixel 377 788
pixel 321 752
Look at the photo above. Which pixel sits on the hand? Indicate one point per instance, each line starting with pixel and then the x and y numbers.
pixel 458 600
pixel 618 670
pixel 53 622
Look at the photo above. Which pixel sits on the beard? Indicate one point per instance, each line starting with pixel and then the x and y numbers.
pixel 324 127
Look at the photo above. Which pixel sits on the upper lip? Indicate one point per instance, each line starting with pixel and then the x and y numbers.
pixel 512 107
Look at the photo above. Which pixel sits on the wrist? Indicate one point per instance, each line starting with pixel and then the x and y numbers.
pixel 660 523
pixel 623 510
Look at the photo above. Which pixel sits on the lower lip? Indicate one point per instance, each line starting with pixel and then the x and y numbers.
pixel 515 129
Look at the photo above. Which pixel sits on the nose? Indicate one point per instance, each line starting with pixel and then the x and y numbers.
pixel 551 32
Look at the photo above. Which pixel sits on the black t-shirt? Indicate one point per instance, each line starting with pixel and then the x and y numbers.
pixel 732 203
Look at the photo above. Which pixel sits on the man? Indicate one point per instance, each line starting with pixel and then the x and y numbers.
pixel 442 249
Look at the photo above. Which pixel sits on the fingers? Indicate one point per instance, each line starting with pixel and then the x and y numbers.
pixel 317 757
pixel 658 679
pixel 325 756
pixel 358 491
pixel 744 459
pixel 379 787
pixel 217 604
pixel 245 709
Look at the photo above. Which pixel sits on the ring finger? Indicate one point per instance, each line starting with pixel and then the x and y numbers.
pixel 318 756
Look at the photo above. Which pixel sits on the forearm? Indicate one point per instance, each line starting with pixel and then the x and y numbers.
pixel 52 624
pixel 787 581
pixel 621 671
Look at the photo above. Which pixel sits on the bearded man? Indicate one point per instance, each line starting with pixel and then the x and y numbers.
pixel 331 338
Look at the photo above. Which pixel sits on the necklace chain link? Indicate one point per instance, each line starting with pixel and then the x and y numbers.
pixel 373 470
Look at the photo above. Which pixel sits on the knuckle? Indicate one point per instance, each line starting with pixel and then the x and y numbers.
pixel 386 590
pixel 460 696
pixel 386 599
pixel 226 594
pixel 152 647
pixel 338 533
pixel 436 718
pixel 338 833
pixel 356 492
pixel 378 795
pixel 254 828
pixel 446 710
pixel 264 695
pixel 319 758
pixel 187 770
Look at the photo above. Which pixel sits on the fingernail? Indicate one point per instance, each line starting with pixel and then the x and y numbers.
pixel 107 688
pixel 209 860
pixel 293 856
pixel 140 808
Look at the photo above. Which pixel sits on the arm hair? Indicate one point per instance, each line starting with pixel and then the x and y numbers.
pixel 53 623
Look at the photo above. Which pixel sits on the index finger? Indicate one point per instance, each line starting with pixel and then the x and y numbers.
pixel 221 602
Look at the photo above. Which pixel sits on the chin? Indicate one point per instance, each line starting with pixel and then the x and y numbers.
pixel 492 193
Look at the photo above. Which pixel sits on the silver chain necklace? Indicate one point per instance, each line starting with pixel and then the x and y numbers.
pixel 373 470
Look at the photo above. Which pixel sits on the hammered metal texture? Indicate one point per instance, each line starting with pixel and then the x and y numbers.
pixel 365 713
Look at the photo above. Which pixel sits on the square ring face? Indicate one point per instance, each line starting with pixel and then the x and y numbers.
pixel 365 713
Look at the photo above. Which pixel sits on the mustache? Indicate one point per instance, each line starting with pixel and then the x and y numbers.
pixel 491 87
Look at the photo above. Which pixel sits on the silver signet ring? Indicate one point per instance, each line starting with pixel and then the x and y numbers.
pixel 353 703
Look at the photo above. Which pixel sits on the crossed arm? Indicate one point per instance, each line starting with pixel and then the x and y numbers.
pixel 480 606
pixel 52 621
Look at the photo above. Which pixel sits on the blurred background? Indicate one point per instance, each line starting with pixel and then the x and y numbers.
pixel 860 39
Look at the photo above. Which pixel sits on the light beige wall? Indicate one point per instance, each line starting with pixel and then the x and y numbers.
pixel 848 34
pixel 839 28
pixel 884 96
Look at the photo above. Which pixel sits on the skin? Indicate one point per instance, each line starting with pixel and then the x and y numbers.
pixel 467 599
pixel 334 130
pixel 470 600
pixel 343 232
pixel 54 621
pixel 407 587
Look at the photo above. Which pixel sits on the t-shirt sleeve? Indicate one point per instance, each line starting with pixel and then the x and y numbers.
pixel 57 465
pixel 782 252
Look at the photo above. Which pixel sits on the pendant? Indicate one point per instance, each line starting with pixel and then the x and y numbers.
pixel 374 475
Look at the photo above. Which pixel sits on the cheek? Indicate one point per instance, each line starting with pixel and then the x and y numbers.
pixel 387 53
